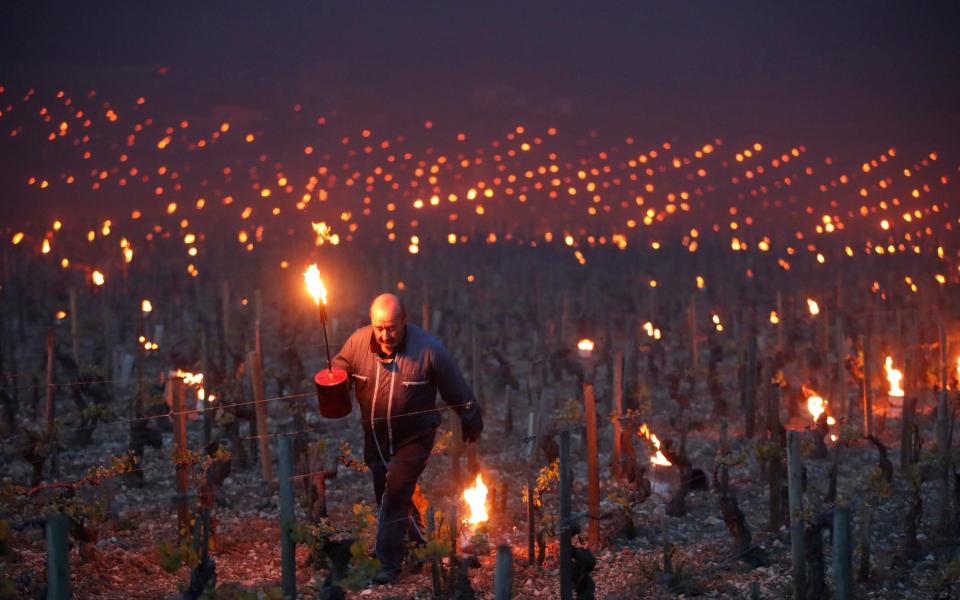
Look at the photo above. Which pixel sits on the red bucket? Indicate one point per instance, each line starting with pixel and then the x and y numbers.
pixel 333 392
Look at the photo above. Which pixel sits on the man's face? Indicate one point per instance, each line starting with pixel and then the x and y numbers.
pixel 388 329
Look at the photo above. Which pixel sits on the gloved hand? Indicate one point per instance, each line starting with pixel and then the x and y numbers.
pixel 471 429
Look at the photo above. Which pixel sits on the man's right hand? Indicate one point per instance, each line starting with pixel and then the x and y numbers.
pixel 471 430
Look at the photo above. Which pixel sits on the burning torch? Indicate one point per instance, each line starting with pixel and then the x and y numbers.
pixel 332 384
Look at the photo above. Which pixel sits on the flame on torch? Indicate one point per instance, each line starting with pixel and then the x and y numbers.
pixel 189 378
pixel 817 406
pixel 894 376
pixel 315 285
pixel 319 292
pixel 585 347
pixel 652 331
pixel 146 306
pixel 813 307
pixel 658 458
pixel 324 234
pixel 97 278
pixel 476 498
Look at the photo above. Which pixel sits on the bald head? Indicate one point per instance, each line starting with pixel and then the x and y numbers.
pixel 388 318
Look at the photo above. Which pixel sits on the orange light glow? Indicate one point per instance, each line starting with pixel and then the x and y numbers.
pixel 146 306
pixel 813 307
pixel 476 498
pixel 97 278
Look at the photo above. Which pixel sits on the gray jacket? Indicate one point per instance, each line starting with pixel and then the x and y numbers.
pixel 397 396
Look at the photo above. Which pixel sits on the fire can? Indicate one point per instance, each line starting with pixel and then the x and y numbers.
pixel 333 393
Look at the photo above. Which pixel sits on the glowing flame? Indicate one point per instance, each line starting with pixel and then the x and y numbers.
pixel 894 376
pixel 324 234
pixel 652 331
pixel 315 285
pixel 774 317
pixel 658 458
pixel 146 306
pixel 476 498
pixel 189 378
pixel 716 322
pixel 817 406
pixel 585 347
pixel 45 248
pixel 813 306
pixel 97 278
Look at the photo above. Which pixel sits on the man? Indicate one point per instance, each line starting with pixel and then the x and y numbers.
pixel 397 370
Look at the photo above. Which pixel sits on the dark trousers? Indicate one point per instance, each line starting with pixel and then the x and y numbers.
pixel 393 484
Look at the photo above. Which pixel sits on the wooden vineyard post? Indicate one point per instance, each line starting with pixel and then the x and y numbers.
pixel 222 326
pixel 866 533
pixel 794 465
pixel 906 431
pixel 174 392
pixel 945 468
pixel 434 563
pixel 694 353
pixel 942 331
pixel 475 386
pixel 617 413
pixel 75 326
pixel 566 549
pixel 724 450
pixel 288 549
pixel 456 449
pixel 503 578
pixel 50 406
pixel 58 558
pixel 564 317
pixel 782 322
pixel 593 471
pixel 225 307
pixel 507 412
pixel 531 516
pixel 867 392
pixel 775 466
pixel 260 406
pixel 136 408
pixel 842 554
pixel 750 392
pixel 205 370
